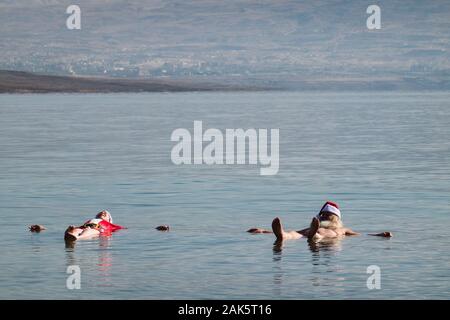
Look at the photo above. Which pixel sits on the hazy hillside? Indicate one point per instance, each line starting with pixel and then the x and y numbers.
pixel 276 39
pixel 24 82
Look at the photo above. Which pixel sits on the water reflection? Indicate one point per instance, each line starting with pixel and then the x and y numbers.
pixel 278 272
pixel 102 264
pixel 325 267
pixel 105 261
pixel 70 244
pixel 70 254
pixel 278 247
pixel 35 241
pixel 327 246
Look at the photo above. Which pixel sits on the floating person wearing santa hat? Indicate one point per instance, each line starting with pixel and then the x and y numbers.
pixel 326 225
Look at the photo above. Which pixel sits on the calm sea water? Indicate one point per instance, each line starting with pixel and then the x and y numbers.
pixel 384 157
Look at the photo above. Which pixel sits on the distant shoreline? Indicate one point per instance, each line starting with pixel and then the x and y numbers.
pixel 26 82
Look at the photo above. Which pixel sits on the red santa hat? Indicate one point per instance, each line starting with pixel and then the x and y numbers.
pixel 331 207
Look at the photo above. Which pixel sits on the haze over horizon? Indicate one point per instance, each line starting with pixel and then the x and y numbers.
pixel 269 39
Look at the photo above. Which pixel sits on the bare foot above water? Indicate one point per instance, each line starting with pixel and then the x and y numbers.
pixel 279 232
pixel 313 228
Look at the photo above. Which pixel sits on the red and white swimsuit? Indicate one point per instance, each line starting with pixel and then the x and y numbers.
pixel 102 226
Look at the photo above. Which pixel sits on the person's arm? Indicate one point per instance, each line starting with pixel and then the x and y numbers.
pixel 258 230
pixel 304 232
pixel 350 232
pixel 385 234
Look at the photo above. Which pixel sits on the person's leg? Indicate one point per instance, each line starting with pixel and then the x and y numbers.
pixel 304 232
pixel 71 233
pixel 75 233
pixel 281 234
pixel 88 233
pixel 313 230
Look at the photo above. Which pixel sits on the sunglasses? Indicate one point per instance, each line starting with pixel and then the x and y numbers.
pixel 91 225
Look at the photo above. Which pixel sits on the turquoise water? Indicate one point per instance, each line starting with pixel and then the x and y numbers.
pixel 384 157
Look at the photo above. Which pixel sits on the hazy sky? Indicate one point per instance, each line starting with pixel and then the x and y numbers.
pixel 212 37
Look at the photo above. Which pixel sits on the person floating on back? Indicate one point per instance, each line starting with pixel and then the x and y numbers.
pixel 102 224
pixel 326 225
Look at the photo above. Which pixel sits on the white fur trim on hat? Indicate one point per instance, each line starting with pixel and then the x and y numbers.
pixel 331 209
